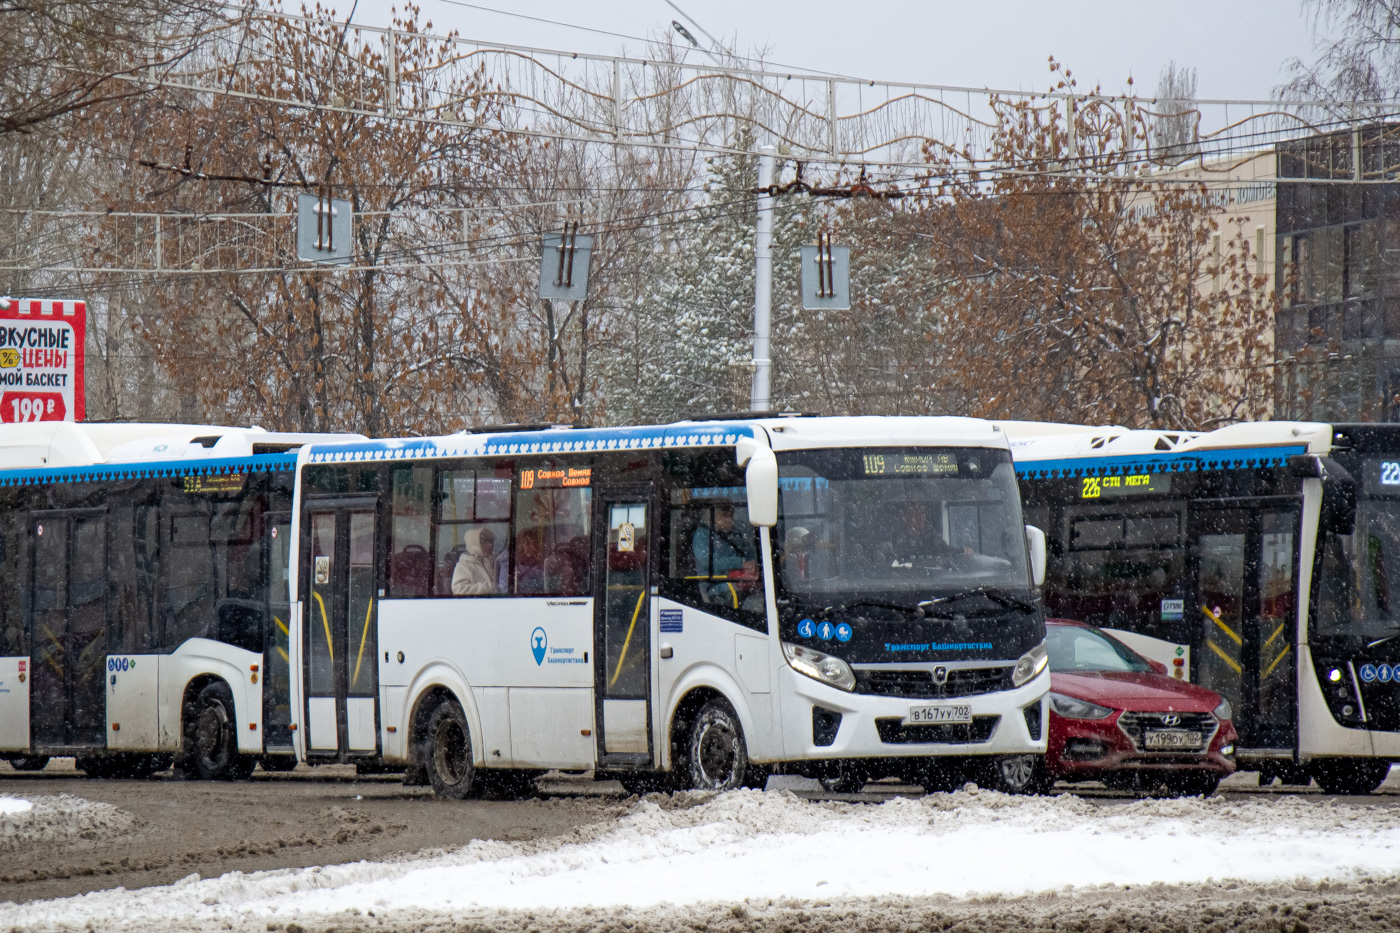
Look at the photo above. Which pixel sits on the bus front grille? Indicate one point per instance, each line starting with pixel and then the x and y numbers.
pixel 918 683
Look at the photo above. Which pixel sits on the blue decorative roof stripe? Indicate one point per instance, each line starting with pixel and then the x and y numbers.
pixel 261 463
pixel 1238 458
pixel 707 434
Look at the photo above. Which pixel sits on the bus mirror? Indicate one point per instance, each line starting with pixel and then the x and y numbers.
pixel 761 479
pixel 1035 540
pixel 1338 498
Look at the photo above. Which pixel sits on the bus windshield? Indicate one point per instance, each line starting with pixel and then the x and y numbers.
pixel 1360 592
pixel 912 521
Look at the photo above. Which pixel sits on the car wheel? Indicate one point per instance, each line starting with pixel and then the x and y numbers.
pixel 718 759
pixel 1349 775
pixel 1018 774
pixel 447 752
pixel 211 737
pixel 29 762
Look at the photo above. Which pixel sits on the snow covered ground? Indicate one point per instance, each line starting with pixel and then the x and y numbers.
pixel 9 805
pixel 694 849
pixel 58 819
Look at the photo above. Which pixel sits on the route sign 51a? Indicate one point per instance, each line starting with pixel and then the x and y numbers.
pixel 41 359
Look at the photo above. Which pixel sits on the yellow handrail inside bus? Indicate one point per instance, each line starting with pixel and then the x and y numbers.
pixel 326 621
pixel 364 633
pixel 1224 657
pixel 1223 627
pixel 1281 654
pixel 627 643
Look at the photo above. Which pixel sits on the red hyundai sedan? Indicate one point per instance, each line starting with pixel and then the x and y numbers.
pixel 1116 717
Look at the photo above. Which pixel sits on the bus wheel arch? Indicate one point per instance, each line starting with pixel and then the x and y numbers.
pixel 209 733
pixel 443 751
pixel 709 749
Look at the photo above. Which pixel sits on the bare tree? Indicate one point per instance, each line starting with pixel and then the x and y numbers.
pixel 1175 120
pixel 62 56
pixel 1358 62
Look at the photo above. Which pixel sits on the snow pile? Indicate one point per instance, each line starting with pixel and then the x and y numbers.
pixel 9 805
pixel 695 848
pixel 59 820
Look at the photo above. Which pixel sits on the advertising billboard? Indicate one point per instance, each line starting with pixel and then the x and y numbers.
pixel 41 359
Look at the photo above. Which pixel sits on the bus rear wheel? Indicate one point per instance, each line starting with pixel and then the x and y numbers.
pixel 29 762
pixel 1350 776
pixel 447 752
pixel 718 759
pixel 211 737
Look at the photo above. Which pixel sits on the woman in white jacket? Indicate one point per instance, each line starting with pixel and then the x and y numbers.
pixel 475 573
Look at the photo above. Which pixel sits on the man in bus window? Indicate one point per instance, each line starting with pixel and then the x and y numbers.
pixel 729 556
pixel 476 570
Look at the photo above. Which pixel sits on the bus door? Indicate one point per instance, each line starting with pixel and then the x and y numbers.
pixel 340 629
pixel 622 625
pixel 277 676
pixel 1245 569
pixel 68 637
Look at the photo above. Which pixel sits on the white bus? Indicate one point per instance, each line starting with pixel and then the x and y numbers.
pixel 698 604
pixel 143 597
pixel 1258 560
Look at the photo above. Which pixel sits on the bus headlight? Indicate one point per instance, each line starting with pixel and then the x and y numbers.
pixel 1223 711
pixel 1030 665
pixel 819 666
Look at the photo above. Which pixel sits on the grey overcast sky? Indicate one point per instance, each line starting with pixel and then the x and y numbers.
pixel 1238 47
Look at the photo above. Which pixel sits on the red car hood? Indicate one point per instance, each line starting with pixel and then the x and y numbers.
pixel 1145 691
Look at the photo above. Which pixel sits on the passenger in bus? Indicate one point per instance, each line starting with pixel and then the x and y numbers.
pixel 796 552
pixel 915 541
pixel 476 572
pixel 529 562
pixel 728 554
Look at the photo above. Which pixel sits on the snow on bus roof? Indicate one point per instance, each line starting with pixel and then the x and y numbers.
pixel 783 433
pixel 1118 450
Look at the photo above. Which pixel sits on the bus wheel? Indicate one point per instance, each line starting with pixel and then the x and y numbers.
pixel 718 758
pixel 1018 774
pixel 211 738
pixel 1350 775
pixel 29 762
pixel 447 752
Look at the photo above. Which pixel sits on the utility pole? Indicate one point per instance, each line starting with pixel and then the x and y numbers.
pixel 763 282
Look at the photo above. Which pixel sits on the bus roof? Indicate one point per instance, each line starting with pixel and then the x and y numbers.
pixel 53 444
pixel 782 433
pixel 1118 450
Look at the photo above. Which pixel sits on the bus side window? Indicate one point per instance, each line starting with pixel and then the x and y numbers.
pixel 473 532
pixel 552 541
pixel 712 554
pixel 410 564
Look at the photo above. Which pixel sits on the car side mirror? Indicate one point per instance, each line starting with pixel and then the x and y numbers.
pixel 1158 666
pixel 1035 541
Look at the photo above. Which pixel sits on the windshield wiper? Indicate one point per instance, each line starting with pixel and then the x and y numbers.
pixel 1011 602
pixel 913 610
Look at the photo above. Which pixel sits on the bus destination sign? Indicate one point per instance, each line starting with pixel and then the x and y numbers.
pixel 1128 484
pixel 940 464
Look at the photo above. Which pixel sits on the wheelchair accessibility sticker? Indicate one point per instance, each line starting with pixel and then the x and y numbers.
pixel 1385 673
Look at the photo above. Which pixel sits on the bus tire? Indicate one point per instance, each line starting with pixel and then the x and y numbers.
pixel 447 752
pixel 717 758
pixel 211 737
pixel 29 762
pixel 1018 774
pixel 1351 776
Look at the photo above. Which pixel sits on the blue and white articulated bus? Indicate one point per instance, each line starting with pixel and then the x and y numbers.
pixel 143 597
pixel 1259 560
pixel 699 604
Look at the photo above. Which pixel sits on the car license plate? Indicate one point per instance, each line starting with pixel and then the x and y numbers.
pixel 1173 738
pixel 942 714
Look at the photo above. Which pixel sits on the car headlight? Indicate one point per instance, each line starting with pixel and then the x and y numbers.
pixel 1072 708
pixel 1030 664
pixel 819 666
pixel 1223 711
